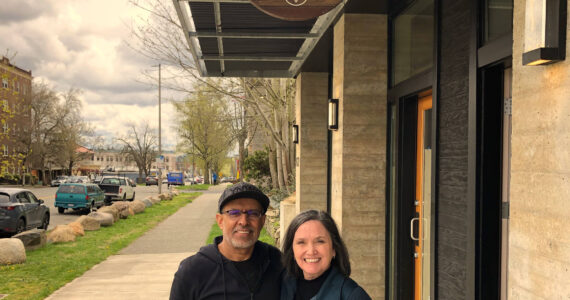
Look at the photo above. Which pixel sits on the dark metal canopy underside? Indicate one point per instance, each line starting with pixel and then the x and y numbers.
pixel 233 38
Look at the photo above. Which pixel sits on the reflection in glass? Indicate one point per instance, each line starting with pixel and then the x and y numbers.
pixel 498 19
pixel 412 41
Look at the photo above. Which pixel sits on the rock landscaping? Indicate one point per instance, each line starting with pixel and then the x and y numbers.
pixel 105 219
pixel 32 239
pixel 89 223
pixel 61 234
pixel 12 251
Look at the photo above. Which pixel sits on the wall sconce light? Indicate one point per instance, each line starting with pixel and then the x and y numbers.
pixel 333 114
pixel 295 134
pixel 544 32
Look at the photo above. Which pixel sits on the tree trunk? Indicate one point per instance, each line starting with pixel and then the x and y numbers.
pixel 278 154
pixel 272 166
pixel 241 157
pixel 207 176
pixel 286 137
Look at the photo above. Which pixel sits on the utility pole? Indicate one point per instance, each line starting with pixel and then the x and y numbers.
pixel 161 161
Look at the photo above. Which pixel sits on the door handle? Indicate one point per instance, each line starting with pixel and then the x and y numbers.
pixel 412 229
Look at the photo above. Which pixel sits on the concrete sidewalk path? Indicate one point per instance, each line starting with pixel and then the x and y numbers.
pixel 145 269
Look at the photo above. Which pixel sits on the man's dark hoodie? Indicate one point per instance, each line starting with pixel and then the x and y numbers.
pixel 209 275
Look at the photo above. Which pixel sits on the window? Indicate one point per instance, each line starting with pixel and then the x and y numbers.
pixel 5 149
pixel 5 83
pixel 6 128
pixel 498 21
pixel 5 105
pixel 22 198
pixel 32 198
pixel 412 41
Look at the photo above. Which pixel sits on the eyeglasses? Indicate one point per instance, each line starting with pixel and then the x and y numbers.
pixel 250 213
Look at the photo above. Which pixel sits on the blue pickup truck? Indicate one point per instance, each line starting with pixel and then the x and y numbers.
pixel 175 178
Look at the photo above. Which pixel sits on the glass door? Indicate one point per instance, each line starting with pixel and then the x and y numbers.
pixel 420 231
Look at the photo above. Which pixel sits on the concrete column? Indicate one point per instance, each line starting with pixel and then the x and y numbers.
pixel 539 244
pixel 359 145
pixel 311 111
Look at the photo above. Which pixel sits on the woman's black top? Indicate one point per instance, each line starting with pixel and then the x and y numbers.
pixel 307 289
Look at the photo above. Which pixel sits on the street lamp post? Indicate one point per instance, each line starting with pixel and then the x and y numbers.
pixel 160 164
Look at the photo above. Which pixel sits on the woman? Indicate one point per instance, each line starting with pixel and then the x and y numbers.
pixel 316 260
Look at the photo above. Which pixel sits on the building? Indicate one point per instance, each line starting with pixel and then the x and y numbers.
pixel 15 115
pixel 446 165
pixel 114 160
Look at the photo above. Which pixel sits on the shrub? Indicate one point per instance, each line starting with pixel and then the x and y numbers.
pixel 256 166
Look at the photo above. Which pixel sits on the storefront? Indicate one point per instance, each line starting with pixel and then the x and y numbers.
pixel 447 167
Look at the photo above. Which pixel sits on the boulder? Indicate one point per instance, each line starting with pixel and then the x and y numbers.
pixel 138 206
pixel 147 202
pixel 105 219
pixel 175 192
pixel 61 234
pixel 110 210
pixel 32 239
pixel 124 209
pixel 77 228
pixel 165 196
pixel 88 223
pixel 155 199
pixel 12 251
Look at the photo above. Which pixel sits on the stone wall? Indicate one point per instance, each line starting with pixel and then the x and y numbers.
pixel 539 246
pixel 311 111
pixel 359 145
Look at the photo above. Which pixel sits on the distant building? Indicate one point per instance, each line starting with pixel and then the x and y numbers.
pixel 15 115
pixel 115 161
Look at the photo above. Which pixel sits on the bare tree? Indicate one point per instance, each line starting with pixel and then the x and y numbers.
pixel 44 124
pixel 69 134
pixel 160 37
pixel 140 145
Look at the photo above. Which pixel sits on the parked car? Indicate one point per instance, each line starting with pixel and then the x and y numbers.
pixel 117 188
pixel 21 210
pixel 79 196
pixel 58 180
pixel 151 180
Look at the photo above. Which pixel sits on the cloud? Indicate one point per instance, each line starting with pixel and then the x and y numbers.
pixel 14 11
pixel 82 44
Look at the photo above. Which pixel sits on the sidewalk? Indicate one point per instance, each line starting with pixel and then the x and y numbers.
pixel 145 269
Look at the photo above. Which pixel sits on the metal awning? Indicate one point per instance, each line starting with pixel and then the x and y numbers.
pixel 233 38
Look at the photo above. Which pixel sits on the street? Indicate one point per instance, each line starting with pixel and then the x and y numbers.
pixel 48 195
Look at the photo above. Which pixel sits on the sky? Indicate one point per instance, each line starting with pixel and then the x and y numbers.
pixel 83 44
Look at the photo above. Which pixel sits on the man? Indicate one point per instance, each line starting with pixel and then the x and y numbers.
pixel 236 265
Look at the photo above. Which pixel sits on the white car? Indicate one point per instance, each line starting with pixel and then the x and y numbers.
pixel 117 188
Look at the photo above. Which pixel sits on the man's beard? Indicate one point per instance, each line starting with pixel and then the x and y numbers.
pixel 240 243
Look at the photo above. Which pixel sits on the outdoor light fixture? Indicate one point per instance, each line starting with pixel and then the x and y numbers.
pixel 544 32
pixel 333 114
pixel 295 134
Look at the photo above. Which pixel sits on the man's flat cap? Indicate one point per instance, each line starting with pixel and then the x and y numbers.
pixel 243 190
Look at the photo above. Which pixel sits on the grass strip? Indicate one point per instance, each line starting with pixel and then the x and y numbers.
pixel 216 231
pixel 194 187
pixel 49 268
